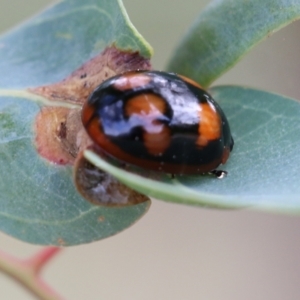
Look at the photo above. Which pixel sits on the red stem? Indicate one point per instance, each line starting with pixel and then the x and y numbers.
pixel 27 272
pixel 40 259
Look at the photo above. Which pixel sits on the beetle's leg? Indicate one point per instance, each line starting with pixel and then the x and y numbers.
pixel 218 173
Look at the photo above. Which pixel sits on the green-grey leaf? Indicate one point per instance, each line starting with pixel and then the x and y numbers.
pixel 38 201
pixel 225 31
pixel 262 169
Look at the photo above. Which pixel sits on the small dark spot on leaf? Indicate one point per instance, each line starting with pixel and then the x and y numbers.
pixel 62 132
pixel 101 219
pixel 61 242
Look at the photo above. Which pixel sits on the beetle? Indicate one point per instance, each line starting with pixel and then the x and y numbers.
pixel 159 121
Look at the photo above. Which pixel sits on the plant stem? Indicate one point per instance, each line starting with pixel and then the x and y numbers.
pixel 27 272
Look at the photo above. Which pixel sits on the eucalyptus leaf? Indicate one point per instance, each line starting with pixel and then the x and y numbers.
pixel 38 200
pixel 263 166
pixel 225 31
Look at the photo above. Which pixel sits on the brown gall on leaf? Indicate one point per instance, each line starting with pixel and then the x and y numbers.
pixel 59 131
pixel 78 86
pixel 60 134
pixel 50 127
pixel 101 188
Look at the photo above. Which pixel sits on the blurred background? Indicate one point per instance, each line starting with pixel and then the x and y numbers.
pixel 180 252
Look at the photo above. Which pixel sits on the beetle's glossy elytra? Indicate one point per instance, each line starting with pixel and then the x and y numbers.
pixel 159 121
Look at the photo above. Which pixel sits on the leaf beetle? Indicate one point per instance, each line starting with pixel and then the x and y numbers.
pixel 159 121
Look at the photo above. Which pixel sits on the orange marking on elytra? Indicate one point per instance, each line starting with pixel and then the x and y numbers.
pixel 157 142
pixel 145 104
pixel 88 113
pixel 131 81
pixel 209 125
pixel 149 108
